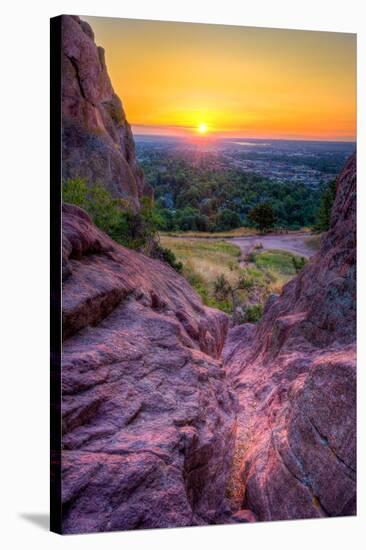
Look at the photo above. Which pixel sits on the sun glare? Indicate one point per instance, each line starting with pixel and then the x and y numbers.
pixel 202 128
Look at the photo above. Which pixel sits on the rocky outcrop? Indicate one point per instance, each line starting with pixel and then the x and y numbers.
pixel 148 416
pixel 295 379
pixel 97 142
pixel 152 431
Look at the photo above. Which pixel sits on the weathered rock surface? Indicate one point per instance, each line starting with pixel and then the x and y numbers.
pixel 295 378
pixel 148 416
pixel 97 142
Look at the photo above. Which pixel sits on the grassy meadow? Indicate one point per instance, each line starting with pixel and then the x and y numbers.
pixel 205 262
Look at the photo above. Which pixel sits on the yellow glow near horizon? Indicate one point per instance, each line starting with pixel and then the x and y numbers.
pixel 241 81
pixel 202 128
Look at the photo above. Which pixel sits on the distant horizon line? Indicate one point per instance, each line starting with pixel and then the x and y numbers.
pixel 213 137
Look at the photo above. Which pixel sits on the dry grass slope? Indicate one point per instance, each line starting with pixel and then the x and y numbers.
pixel 205 260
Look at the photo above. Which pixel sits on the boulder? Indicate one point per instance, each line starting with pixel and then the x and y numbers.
pixel 295 378
pixel 148 414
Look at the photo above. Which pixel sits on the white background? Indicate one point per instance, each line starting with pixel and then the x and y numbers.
pixel 24 287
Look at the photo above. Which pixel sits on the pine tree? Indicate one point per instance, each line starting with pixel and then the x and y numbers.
pixel 325 210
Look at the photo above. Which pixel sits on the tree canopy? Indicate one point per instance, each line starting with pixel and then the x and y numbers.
pixel 263 216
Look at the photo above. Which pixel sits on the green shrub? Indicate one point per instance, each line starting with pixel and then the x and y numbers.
pixel 133 229
pixel 299 262
pixel 170 258
pixel 75 191
pixel 254 313
pixel 222 288
pixel 194 278
pixel 167 256
pixel 95 199
pixel 103 208
pixel 136 229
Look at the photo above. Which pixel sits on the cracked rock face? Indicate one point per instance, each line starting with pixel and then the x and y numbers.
pixel 97 142
pixel 295 377
pixel 148 415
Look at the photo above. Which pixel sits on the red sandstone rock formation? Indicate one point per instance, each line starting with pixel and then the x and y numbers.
pixel 295 378
pixel 148 416
pixel 148 413
pixel 97 142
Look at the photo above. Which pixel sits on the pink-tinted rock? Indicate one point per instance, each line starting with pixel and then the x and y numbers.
pixel 148 415
pixel 296 383
pixel 97 142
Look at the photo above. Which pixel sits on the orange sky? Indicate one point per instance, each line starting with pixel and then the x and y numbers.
pixel 239 81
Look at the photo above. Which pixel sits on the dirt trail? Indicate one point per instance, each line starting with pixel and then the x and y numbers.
pixel 298 243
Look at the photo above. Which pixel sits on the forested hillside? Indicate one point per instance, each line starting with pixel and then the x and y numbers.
pixel 203 197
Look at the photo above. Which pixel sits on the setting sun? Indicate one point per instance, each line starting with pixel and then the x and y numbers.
pixel 202 128
pixel 188 78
